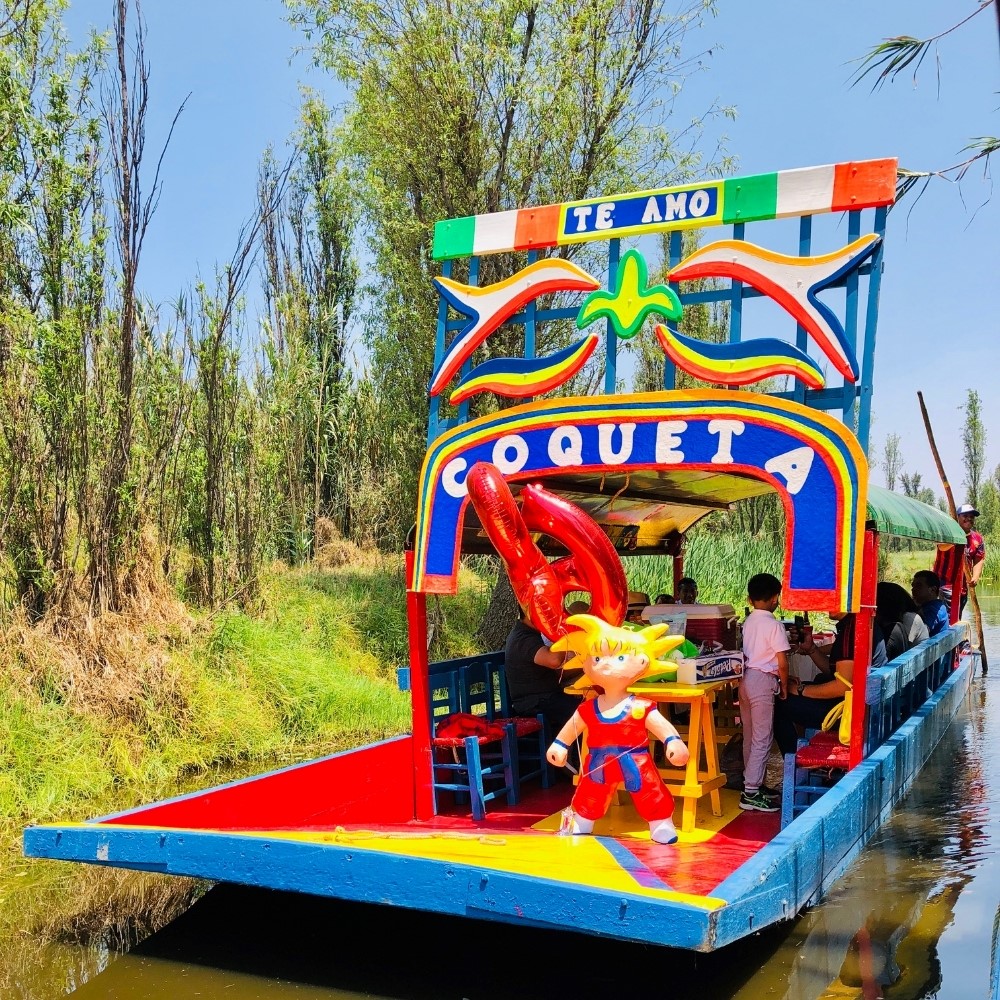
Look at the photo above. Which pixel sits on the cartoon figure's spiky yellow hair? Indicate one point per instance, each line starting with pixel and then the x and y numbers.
pixel 597 638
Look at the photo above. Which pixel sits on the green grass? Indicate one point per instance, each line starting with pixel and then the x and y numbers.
pixel 899 567
pixel 313 673
pixel 49 758
pixel 991 571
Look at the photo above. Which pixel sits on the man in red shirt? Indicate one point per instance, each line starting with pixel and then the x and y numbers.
pixel 975 557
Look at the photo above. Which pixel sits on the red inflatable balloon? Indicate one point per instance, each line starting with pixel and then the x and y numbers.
pixel 534 582
pixel 593 564
pixel 540 586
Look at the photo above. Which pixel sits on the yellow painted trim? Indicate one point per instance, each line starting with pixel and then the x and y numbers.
pixel 558 859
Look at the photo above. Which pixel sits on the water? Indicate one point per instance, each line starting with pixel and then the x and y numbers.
pixel 913 917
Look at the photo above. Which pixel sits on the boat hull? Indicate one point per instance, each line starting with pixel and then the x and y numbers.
pixel 513 871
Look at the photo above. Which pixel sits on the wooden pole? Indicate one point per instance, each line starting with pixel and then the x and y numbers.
pixel 951 507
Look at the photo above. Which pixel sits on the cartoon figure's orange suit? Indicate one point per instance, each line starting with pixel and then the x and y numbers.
pixel 618 750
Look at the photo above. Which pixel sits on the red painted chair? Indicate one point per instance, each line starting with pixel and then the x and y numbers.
pixel 811 771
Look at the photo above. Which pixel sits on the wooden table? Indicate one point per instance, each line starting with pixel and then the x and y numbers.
pixel 693 783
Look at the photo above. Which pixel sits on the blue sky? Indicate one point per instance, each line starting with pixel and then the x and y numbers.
pixel 785 64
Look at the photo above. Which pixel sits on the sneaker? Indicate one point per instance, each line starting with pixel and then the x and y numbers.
pixel 758 802
pixel 771 793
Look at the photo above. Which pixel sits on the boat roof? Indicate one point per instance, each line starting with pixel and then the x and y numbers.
pixel 895 514
pixel 642 510
pixel 639 510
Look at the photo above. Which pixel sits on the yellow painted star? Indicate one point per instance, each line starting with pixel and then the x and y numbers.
pixel 631 299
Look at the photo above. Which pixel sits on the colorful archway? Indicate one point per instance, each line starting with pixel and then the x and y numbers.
pixel 814 463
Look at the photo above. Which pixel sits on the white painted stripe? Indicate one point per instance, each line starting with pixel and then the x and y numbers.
pixel 494 232
pixel 803 191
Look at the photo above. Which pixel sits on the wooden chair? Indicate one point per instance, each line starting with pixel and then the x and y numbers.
pixel 487 693
pixel 475 767
pixel 808 773
pixel 483 767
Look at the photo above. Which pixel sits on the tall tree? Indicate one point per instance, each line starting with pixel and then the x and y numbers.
pixel 52 274
pixel 225 428
pixel 892 461
pixel 311 276
pixel 113 524
pixel 988 505
pixel 973 446
pixel 913 486
pixel 463 108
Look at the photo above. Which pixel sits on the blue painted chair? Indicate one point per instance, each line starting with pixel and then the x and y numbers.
pixel 475 768
pixel 480 766
pixel 488 692
pixel 484 766
pixel 811 771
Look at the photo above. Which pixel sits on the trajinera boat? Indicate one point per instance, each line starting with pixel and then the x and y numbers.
pixel 465 818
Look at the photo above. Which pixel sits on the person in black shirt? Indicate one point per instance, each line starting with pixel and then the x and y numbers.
pixel 535 676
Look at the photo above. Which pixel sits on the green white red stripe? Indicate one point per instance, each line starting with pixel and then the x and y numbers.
pixel 836 187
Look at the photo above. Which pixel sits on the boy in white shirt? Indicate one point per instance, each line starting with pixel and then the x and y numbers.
pixel 765 673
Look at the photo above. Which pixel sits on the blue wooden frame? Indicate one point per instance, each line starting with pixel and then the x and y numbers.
pixel 852 400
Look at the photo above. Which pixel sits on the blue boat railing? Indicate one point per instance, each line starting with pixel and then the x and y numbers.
pixel 894 692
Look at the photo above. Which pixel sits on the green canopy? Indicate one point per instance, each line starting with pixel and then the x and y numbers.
pixel 894 514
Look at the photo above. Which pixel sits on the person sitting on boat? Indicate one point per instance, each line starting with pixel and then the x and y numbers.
pixel 687 591
pixel 807 704
pixel 899 618
pixel 664 599
pixel 618 725
pixel 926 590
pixel 765 674
pixel 536 676
pixel 638 601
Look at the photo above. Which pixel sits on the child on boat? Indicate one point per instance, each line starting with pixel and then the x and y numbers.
pixel 765 673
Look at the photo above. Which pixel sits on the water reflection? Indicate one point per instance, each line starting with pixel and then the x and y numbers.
pixel 892 924
pixel 913 917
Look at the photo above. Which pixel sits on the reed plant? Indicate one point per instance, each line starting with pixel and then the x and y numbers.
pixel 901 565
pixel 721 562
pixel 310 672
pixel 991 571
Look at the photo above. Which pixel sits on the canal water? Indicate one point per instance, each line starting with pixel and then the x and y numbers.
pixel 913 917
